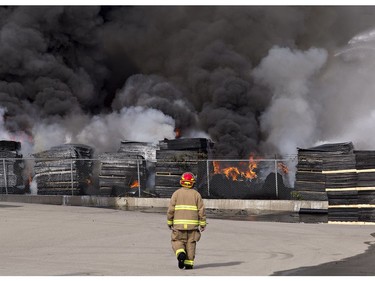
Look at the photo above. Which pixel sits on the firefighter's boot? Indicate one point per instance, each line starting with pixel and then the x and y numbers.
pixel 187 266
pixel 181 260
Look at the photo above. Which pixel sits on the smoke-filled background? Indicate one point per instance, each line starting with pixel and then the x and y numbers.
pixel 255 80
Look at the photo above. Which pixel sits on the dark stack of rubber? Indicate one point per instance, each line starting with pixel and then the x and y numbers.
pixel 64 170
pixel 365 160
pixel 310 181
pixel 119 173
pixel 127 172
pixel 11 166
pixel 328 166
pixel 178 156
pixel 352 202
pixel 366 185
pixel 146 150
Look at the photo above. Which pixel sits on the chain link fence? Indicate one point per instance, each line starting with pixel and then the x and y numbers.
pixel 253 179
pixel 111 176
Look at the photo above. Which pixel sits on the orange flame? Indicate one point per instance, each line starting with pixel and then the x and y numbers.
pixel 135 184
pixel 177 132
pixel 244 170
pixel 283 168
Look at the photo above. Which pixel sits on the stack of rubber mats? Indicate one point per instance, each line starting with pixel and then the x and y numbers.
pixel 346 175
pixel 340 179
pixel 366 185
pixel 121 172
pixel 11 166
pixel 127 171
pixel 64 170
pixel 146 150
pixel 325 166
pixel 178 156
pixel 310 181
pixel 356 203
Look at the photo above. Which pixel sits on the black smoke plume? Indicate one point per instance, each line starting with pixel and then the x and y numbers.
pixel 256 80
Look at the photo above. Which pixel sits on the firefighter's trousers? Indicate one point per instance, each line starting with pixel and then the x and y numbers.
pixel 185 241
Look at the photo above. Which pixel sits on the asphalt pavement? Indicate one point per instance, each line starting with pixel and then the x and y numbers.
pixel 50 240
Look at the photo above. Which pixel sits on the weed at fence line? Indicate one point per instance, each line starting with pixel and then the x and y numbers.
pixel 295 195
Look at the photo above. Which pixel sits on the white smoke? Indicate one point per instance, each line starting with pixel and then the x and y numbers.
pixel 366 36
pixel 193 133
pixel 346 92
pixel 289 121
pixel 103 132
pixel 312 105
pixel 134 123
pixel 34 186
pixel 26 142
pixel 48 135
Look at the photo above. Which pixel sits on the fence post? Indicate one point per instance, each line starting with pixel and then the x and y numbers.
pixel 5 177
pixel 276 183
pixel 71 175
pixel 208 177
pixel 139 179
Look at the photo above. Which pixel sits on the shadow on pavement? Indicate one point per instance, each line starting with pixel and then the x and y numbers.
pixel 359 265
pixel 8 206
pixel 218 264
pixel 289 217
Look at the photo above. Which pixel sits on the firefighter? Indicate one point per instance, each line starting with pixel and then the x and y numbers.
pixel 186 217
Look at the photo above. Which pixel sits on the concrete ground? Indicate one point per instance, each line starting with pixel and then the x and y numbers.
pixel 49 240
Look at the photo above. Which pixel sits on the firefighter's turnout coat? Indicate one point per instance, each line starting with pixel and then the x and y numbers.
pixel 186 212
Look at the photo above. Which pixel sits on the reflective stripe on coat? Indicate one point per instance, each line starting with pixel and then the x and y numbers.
pixel 186 210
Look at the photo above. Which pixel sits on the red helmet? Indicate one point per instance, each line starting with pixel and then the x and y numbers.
pixel 187 180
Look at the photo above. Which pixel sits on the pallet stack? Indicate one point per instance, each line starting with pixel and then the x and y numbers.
pixel 357 204
pixel 310 181
pixel 348 176
pixel 341 177
pixel 366 185
pixel 11 166
pixel 120 173
pixel 64 170
pixel 178 156
pixel 126 172
pixel 144 149
pixel 325 167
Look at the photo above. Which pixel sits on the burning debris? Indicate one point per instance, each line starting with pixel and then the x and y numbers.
pixel 150 169
pixel 11 180
pixel 242 171
pixel 251 179
pixel 64 170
